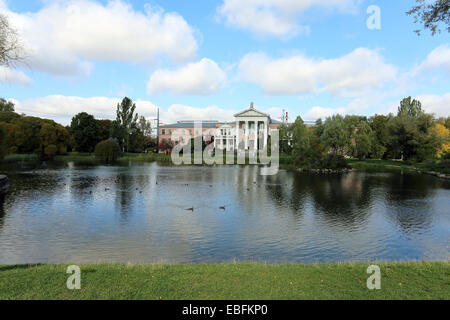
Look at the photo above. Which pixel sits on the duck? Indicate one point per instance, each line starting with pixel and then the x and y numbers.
pixel 190 209
pixel 223 208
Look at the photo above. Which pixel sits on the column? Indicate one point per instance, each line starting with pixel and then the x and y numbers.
pixel 255 136
pixel 265 134
pixel 246 135
pixel 237 135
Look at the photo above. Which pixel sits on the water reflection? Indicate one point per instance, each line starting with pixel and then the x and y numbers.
pixel 137 213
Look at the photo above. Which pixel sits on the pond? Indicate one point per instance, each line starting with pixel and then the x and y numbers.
pixel 137 214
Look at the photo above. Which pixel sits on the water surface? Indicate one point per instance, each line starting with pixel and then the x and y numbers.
pixel 138 214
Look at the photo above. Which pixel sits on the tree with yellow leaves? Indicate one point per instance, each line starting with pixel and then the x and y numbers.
pixel 443 135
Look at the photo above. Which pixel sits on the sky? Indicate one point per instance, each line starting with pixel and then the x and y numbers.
pixel 208 59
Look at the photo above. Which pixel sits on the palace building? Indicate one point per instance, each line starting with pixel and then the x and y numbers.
pixel 252 134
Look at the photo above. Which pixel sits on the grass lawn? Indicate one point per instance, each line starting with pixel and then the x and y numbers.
pixel 406 280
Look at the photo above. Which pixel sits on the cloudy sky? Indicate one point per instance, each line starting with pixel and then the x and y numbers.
pixel 207 59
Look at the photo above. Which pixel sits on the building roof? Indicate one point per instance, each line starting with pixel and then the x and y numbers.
pixel 191 124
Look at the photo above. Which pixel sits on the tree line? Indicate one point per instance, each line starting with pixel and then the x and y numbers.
pixel 21 134
pixel 411 135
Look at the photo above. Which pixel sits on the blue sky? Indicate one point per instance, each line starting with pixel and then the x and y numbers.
pixel 208 59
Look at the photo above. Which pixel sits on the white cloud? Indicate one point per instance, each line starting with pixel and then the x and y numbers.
pixel 320 112
pixel 63 108
pixel 439 105
pixel 201 78
pixel 8 75
pixel 276 17
pixel 178 112
pixel 65 36
pixel 438 59
pixel 354 74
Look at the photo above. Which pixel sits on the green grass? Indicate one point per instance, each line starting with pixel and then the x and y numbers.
pixel 405 280
pixel 383 165
pixel 13 158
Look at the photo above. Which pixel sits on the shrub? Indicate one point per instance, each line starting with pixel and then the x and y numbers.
pixel 107 151
pixel 334 162
pixel 50 151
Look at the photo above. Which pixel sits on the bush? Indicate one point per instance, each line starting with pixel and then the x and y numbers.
pixel 333 162
pixel 50 151
pixel 107 151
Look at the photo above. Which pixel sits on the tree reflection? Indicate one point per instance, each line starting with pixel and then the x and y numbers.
pixel 2 212
pixel 124 195
pixel 340 200
pixel 408 200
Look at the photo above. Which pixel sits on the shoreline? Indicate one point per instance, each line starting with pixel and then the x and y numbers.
pixel 353 165
pixel 229 281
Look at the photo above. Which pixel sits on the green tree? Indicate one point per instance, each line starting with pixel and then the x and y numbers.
pixel 104 129
pixel 85 132
pixel 53 139
pixel 431 13
pixel 107 151
pixel 126 122
pixel 6 105
pixel 447 123
pixel 3 142
pixel 285 133
pixel 335 137
pixel 363 139
pixel 300 139
pixel 410 138
pixel 410 107
pixel 145 126
pixel 381 138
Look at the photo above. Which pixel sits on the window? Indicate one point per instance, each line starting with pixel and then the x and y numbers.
pixel 163 131
pixel 170 131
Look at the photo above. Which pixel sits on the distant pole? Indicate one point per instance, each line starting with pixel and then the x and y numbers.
pixel 157 132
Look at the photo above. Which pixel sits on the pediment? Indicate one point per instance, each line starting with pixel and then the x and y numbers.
pixel 251 113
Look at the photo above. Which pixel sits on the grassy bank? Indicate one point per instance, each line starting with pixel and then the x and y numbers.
pixel 286 162
pixel 421 280
pixel 441 166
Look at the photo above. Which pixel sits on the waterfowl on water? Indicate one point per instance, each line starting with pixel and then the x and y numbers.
pixel 190 209
pixel 223 208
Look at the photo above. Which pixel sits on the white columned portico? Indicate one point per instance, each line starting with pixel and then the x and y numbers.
pixel 259 122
